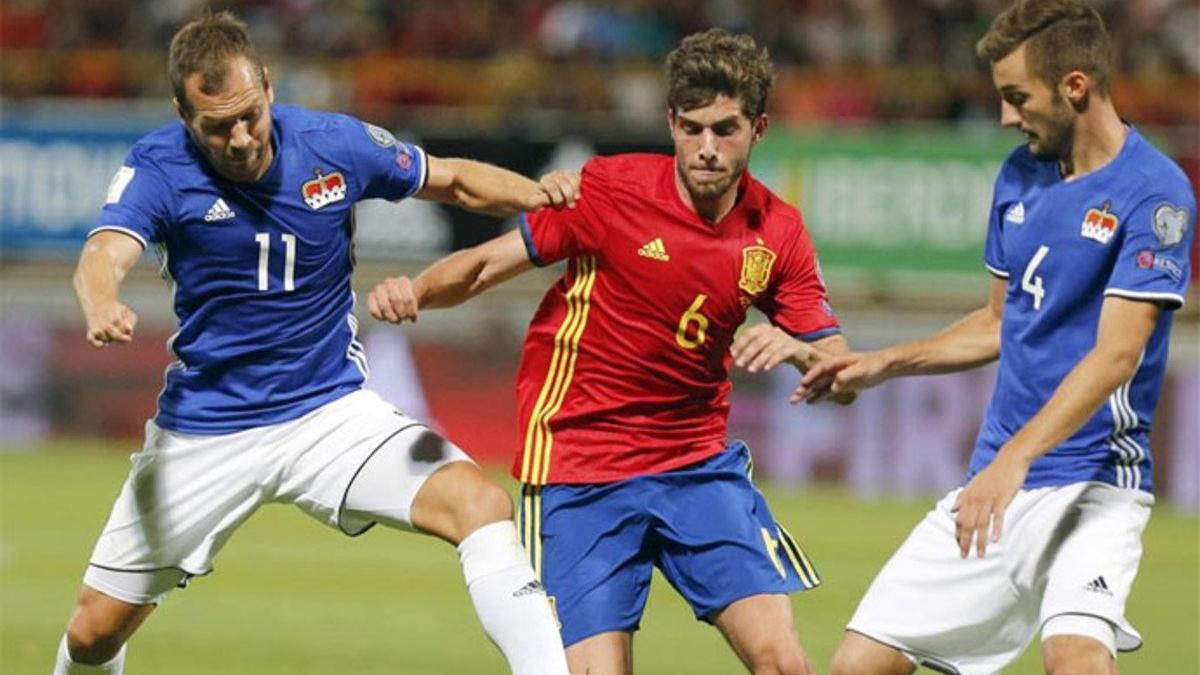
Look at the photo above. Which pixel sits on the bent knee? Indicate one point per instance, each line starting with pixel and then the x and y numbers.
pixel 858 656
pixel 457 500
pixel 780 661
pixel 90 644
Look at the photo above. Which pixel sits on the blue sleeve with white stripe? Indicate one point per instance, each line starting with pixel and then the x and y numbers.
pixel 138 202
pixel 389 169
pixel 1152 263
pixel 993 248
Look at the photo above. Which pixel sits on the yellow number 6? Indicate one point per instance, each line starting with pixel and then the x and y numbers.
pixel 692 315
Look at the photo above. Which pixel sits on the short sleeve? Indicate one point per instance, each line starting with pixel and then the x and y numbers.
pixel 552 234
pixel 1152 263
pixel 138 202
pixel 993 246
pixel 388 168
pixel 797 302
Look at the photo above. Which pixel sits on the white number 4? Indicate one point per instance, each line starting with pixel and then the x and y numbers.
pixel 1031 284
pixel 289 260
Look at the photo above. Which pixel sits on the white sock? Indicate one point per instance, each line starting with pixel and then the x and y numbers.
pixel 510 602
pixel 63 665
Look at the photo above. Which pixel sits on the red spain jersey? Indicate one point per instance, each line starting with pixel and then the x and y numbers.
pixel 625 367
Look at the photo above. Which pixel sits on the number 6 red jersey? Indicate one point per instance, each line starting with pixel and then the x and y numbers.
pixel 625 367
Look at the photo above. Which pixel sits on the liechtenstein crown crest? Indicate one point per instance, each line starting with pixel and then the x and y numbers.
pixel 756 268
pixel 324 190
pixel 1099 224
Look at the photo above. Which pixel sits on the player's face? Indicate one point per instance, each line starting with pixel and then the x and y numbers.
pixel 1037 109
pixel 712 146
pixel 233 126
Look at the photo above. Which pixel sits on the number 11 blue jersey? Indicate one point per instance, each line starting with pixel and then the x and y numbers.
pixel 260 271
pixel 1124 230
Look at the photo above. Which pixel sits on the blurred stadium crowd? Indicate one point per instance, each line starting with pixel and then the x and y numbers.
pixel 910 59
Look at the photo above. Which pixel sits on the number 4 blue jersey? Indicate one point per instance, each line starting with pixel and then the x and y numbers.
pixel 261 271
pixel 1064 245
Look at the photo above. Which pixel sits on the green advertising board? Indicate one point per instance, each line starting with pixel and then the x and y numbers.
pixel 879 202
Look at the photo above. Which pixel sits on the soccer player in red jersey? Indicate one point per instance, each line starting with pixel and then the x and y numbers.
pixel 623 386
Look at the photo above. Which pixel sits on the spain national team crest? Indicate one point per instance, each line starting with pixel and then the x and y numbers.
pixel 756 268
pixel 1099 224
pixel 324 190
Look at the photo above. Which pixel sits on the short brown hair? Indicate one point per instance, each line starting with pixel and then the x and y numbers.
pixel 205 46
pixel 1062 35
pixel 717 62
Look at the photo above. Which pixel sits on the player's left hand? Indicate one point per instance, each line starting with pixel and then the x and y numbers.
pixel 981 505
pixel 764 346
pixel 393 300
pixel 560 189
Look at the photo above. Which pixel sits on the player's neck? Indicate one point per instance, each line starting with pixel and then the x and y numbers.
pixel 1099 137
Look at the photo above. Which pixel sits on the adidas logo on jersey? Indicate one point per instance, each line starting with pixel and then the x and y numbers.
pixel 1098 585
pixel 655 250
pixel 324 190
pixel 1016 214
pixel 219 211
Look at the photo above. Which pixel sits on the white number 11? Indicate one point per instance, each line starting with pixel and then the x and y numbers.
pixel 289 260
pixel 1031 284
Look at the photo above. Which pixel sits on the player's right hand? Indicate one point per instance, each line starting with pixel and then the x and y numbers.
pixel 845 373
pixel 393 300
pixel 560 188
pixel 110 322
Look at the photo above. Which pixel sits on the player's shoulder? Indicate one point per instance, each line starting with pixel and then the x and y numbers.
pixel 166 150
pixel 295 120
pixel 628 169
pixel 1154 174
pixel 1022 169
pixel 775 208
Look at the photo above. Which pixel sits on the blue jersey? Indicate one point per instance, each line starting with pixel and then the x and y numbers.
pixel 260 271
pixel 1064 245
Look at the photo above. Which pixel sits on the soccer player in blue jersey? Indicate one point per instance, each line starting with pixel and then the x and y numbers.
pixel 1088 242
pixel 250 206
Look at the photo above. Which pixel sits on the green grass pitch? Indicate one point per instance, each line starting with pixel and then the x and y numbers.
pixel 290 596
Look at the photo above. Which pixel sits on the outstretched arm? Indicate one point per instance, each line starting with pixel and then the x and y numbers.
pixel 451 280
pixel 970 342
pixel 489 189
pixel 1125 327
pixel 764 346
pixel 106 258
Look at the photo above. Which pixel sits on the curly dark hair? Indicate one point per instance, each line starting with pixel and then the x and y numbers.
pixel 717 62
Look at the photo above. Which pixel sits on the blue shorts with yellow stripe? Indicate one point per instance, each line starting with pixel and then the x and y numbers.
pixel 704 526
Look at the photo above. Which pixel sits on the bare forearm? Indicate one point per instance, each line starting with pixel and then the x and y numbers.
pixel 449 281
pixel 97 278
pixel 1074 402
pixel 489 189
pixel 969 343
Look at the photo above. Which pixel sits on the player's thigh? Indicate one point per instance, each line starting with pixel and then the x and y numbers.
pixel 604 654
pixel 960 615
pixel 1085 655
pixel 718 541
pixel 588 545
pixel 358 461
pixel 858 654
pixel 1094 562
pixel 184 497
pixel 760 630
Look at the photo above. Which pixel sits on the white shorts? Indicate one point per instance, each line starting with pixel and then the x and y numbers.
pixel 186 494
pixel 1070 550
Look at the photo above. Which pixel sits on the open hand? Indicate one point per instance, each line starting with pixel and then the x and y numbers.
pixel 980 506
